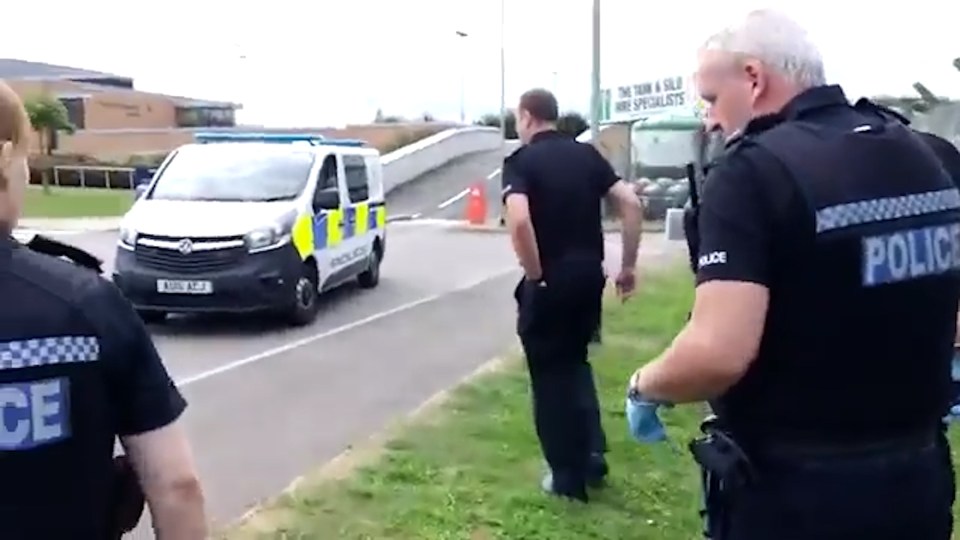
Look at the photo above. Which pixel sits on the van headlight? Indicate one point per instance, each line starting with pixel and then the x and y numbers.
pixel 127 237
pixel 271 236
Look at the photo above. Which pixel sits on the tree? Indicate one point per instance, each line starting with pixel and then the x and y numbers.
pixel 572 123
pixel 48 116
pixel 493 120
pixel 427 117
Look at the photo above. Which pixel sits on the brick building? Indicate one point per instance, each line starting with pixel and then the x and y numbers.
pixel 115 121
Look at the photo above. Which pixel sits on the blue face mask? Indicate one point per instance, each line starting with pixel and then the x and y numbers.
pixel 642 419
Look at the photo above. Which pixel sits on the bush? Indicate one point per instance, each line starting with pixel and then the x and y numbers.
pixel 572 123
pixel 493 120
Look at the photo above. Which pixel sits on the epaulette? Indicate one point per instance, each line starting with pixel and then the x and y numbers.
pixel 515 153
pixel 864 104
pixel 762 123
pixel 55 248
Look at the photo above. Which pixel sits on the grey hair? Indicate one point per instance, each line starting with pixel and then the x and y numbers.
pixel 778 42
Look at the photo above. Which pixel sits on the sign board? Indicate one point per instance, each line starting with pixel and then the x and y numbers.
pixel 630 102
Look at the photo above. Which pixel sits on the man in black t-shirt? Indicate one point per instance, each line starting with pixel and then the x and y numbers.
pixel 552 189
pixel 828 279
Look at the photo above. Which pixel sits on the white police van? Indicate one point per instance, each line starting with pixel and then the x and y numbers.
pixel 247 222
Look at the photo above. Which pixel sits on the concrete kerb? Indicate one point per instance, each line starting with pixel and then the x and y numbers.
pixel 368 451
pixel 258 520
pixel 265 516
pixel 648 227
pixel 86 224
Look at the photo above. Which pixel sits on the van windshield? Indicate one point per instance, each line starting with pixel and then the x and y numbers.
pixel 234 172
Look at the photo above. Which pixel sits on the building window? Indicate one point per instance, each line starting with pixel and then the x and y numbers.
pixel 75 111
pixel 192 117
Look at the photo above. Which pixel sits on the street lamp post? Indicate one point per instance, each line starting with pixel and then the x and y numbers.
pixel 595 77
pixel 503 77
pixel 463 77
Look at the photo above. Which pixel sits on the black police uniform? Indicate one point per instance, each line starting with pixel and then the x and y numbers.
pixel 565 182
pixel 853 224
pixel 77 368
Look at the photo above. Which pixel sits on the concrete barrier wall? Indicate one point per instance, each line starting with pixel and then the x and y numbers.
pixel 423 156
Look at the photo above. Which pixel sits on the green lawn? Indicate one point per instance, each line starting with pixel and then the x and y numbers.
pixel 470 469
pixel 64 202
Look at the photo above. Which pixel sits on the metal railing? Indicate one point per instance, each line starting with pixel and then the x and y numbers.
pixel 94 176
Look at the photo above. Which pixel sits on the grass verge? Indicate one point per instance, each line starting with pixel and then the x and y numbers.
pixel 470 469
pixel 63 202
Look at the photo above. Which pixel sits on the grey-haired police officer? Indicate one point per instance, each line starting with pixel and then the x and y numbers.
pixel 78 369
pixel 825 308
pixel 553 188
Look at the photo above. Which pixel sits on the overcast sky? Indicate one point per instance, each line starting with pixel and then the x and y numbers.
pixel 329 62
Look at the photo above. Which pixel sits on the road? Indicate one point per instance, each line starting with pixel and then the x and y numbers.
pixel 268 403
pixel 441 194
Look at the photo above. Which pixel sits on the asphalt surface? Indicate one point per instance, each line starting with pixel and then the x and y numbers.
pixel 441 194
pixel 268 403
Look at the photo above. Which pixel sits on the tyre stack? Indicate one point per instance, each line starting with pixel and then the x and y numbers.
pixel 661 194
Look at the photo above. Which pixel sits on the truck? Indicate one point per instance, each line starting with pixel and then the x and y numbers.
pixel 661 148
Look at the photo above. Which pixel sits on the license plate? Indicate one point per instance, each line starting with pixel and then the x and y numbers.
pixel 177 286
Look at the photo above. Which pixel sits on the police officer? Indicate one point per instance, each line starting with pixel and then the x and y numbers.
pixel 78 369
pixel 825 309
pixel 553 187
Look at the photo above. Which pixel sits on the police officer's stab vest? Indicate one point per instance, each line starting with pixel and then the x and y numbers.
pixel 883 237
pixel 56 438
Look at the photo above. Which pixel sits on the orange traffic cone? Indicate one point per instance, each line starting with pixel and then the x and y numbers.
pixel 477 204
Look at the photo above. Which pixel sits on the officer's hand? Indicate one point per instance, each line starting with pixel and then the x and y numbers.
pixel 626 283
pixel 642 420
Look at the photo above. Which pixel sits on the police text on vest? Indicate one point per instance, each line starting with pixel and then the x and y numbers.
pixel 911 254
pixel 33 414
pixel 714 257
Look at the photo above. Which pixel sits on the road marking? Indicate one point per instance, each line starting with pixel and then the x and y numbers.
pixel 453 199
pixel 219 370
pixel 52 232
pixel 463 193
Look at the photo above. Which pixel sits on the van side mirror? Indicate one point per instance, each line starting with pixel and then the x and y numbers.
pixel 140 191
pixel 328 199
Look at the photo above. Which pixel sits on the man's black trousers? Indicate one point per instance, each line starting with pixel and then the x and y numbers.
pixel 902 493
pixel 555 324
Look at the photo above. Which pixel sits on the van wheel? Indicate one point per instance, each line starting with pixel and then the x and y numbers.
pixel 370 277
pixel 152 317
pixel 304 305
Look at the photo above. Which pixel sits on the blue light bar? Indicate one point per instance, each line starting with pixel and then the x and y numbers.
pixel 281 138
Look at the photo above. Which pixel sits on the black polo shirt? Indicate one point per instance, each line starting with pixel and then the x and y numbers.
pixel 857 338
pixel 77 369
pixel 565 181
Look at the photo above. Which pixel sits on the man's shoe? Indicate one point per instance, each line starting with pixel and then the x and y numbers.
pixel 566 489
pixel 597 471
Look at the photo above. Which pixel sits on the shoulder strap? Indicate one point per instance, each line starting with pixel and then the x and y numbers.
pixel 867 106
pixel 55 248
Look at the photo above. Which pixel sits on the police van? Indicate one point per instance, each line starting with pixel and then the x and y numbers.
pixel 246 222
